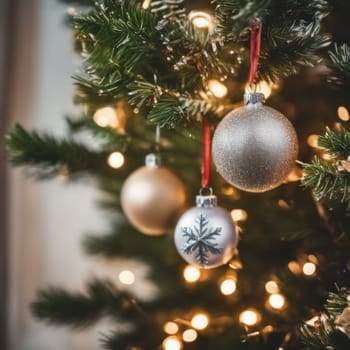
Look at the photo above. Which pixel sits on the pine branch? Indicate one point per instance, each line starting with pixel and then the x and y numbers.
pixel 57 306
pixel 336 143
pixel 340 64
pixel 108 138
pixel 49 156
pixel 327 181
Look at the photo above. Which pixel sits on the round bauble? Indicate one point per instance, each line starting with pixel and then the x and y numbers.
pixel 153 197
pixel 205 235
pixel 255 147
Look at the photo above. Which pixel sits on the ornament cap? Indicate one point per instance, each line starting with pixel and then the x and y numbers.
pixel 152 161
pixel 253 98
pixel 209 201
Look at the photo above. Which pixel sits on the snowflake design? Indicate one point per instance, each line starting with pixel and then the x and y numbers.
pixel 201 240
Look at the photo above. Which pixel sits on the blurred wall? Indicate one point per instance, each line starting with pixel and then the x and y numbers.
pixel 47 219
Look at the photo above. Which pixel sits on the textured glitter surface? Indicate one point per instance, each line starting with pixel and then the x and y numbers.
pixel 254 148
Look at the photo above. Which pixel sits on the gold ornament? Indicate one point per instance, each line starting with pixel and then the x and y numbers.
pixel 343 322
pixel 153 197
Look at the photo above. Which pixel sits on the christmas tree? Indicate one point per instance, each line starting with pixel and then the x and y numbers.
pixel 158 79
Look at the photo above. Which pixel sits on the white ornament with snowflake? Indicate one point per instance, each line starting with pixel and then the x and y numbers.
pixel 205 235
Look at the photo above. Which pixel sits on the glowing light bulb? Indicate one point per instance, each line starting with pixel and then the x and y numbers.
pixel 116 160
pixel 239 215
pixel 172 343
pixel 191 274
pixel 200 321
pixel 228 286
pixel 294 267
pixel 218 89
pixel 312 141
pixel 146 4
pixel 309 268
pixel 189 335
pixel 343 113
pixel 201 19
pixel 127 277
pixel 106 116
pixel 277 301
pixel 171 328
pixel 271 287
pixel 249 317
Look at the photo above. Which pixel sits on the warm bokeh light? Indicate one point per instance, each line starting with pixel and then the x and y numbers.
pixel 116 160
pixel 271 287
pixel 127 277
pixel 201 19
pixel 228 286
pixel 189 335
pixel 295 175
pixel 172 343
pixel 218 89
pixel 294 267
pixel 239 215
pixel 263 87
pixel 343 113
pixel 191 274
pixel 313 259
pixel 72 11
pixel 277 301
pixel 312 140
pixel 146 4
pixel 249 317
pixel 200 321
pixel 106 116
pixel 171 328
pixel 309 268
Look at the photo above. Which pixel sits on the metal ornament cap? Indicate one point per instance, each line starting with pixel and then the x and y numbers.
pixel 254 97
pixel 153 160
pixel 209 201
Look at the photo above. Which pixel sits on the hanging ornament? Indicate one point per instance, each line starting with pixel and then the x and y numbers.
pixel 255 147
pixel 205 235
pixel 153 197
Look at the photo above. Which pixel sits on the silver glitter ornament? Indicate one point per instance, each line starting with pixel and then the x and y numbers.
pixel 205 235
pixel 255 147
pixel 153 197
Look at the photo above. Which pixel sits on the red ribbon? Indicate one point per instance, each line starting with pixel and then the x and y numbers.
pixel 206 153
pixel 255 43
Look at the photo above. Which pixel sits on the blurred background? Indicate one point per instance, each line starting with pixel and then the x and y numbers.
pixel 40 223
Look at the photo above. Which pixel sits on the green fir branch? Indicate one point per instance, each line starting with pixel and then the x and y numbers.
pixel 327 181
pixel 50 156
pixel 340 64
pixel 336 143
pixel 57 306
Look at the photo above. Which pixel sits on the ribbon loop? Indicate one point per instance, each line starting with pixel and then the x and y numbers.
pixel 255 44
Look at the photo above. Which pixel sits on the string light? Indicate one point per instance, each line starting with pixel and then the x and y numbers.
pixel 106 117
pixel 312 141
pixel 171 328
pixel 71 11
pixel 189 335
pixel 239 215
pixel 116 160
pixel 200 321
pixel 277 301
pixel 126 277
pixel 249 317
pixel 228 286
pixel 218 89
pixel 146 4
pixel 191 274
pixel 294 267
pixel 309 268
pixel 343 113
pixel 271 287
pixel 201 19
pixel 172 343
